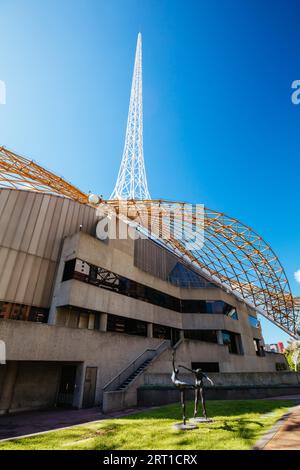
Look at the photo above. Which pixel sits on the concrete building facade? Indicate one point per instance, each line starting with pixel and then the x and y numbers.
pixel 87 322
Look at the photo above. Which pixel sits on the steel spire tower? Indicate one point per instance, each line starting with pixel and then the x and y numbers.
pixel 132 180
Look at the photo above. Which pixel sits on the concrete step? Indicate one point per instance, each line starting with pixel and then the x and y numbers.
pixel 133 375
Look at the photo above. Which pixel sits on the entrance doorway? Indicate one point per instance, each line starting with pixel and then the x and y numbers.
pixel 89 387
pixel 67 386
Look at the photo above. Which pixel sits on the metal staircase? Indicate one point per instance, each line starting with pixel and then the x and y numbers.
pixel 140 369
pixel 120 392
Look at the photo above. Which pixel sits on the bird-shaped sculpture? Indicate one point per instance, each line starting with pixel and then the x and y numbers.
pixel 199 392
pixel 183 387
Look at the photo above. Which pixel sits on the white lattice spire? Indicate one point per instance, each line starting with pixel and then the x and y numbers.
pixel 132 180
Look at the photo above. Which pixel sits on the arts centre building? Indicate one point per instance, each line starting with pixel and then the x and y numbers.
pixel 92 321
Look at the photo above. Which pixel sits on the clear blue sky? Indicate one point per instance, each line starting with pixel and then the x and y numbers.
pixel 219 125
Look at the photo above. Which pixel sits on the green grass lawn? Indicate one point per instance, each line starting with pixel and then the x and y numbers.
pixel 236 425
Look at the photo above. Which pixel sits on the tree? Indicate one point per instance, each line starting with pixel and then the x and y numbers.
pixel 292 354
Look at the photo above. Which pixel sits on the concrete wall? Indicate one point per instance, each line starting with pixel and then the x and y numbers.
pixel 156 396
pixel 38 233
pixel 199 351
pixel 33 385
pixel 118 257
pixel 110 352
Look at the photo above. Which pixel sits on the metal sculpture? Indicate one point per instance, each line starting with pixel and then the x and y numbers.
pixel 199 393
pixel 182 387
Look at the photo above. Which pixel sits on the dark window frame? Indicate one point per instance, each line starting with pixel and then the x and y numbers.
pixel 125 325
pixel 208 336
pixel 106 279
pixel 206 366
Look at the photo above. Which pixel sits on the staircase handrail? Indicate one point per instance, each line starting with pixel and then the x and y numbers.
pixel 149 353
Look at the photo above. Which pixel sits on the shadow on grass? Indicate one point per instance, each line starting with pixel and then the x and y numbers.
pixel 246 429
pixel 220 408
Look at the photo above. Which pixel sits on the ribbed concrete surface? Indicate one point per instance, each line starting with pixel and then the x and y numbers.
pixel 32 229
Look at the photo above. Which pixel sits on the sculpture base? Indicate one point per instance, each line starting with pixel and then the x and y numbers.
pixel 184 427
pixel 201 420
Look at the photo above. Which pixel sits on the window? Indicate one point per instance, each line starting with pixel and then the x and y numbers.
pixel 232 313
pixel 100 277
pixel 233 341
pixel 202 335
pixel 206 366
pixel 253 321
pixel 11 311
pixel 280 366
pixel 161 331
pixel 126 325
pixel 39 315
pixel 69 270
pixel 258 347
pixel 194 306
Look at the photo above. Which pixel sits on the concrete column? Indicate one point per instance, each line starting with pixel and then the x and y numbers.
pixel 8 388
pixel 149 330
pixel 181 334
pixel 79 386
pixel 220 337
pixel 103 322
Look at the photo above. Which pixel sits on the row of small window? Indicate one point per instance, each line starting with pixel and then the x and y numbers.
pixel 100 277
pixel 136 327
pixel 13 311
pixel 75 318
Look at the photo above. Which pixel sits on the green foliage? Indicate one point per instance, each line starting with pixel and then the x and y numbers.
pixel 288 354
pixel 236 425
pixel 289 351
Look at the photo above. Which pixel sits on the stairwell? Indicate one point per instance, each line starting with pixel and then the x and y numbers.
pixel 128 381
pixel 121 391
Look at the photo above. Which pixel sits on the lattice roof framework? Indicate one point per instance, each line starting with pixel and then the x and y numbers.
pixel 233 255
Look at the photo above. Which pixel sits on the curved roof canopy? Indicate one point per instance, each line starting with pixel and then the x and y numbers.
pixel 226 251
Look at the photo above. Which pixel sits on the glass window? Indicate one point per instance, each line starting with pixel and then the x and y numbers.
pixel 280 366
pixel 206 366
pixel 161 331
pixel 202 335
pixel 258 347
pixel 39 315
pixel 69 270
pixel 253 321
pixel 85 272
pixel 23 312
pixel 126 325
pixel 232 313
pixel 233 341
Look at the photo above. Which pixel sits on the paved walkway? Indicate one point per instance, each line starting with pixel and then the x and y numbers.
pixel 38 421
pixel 287 436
